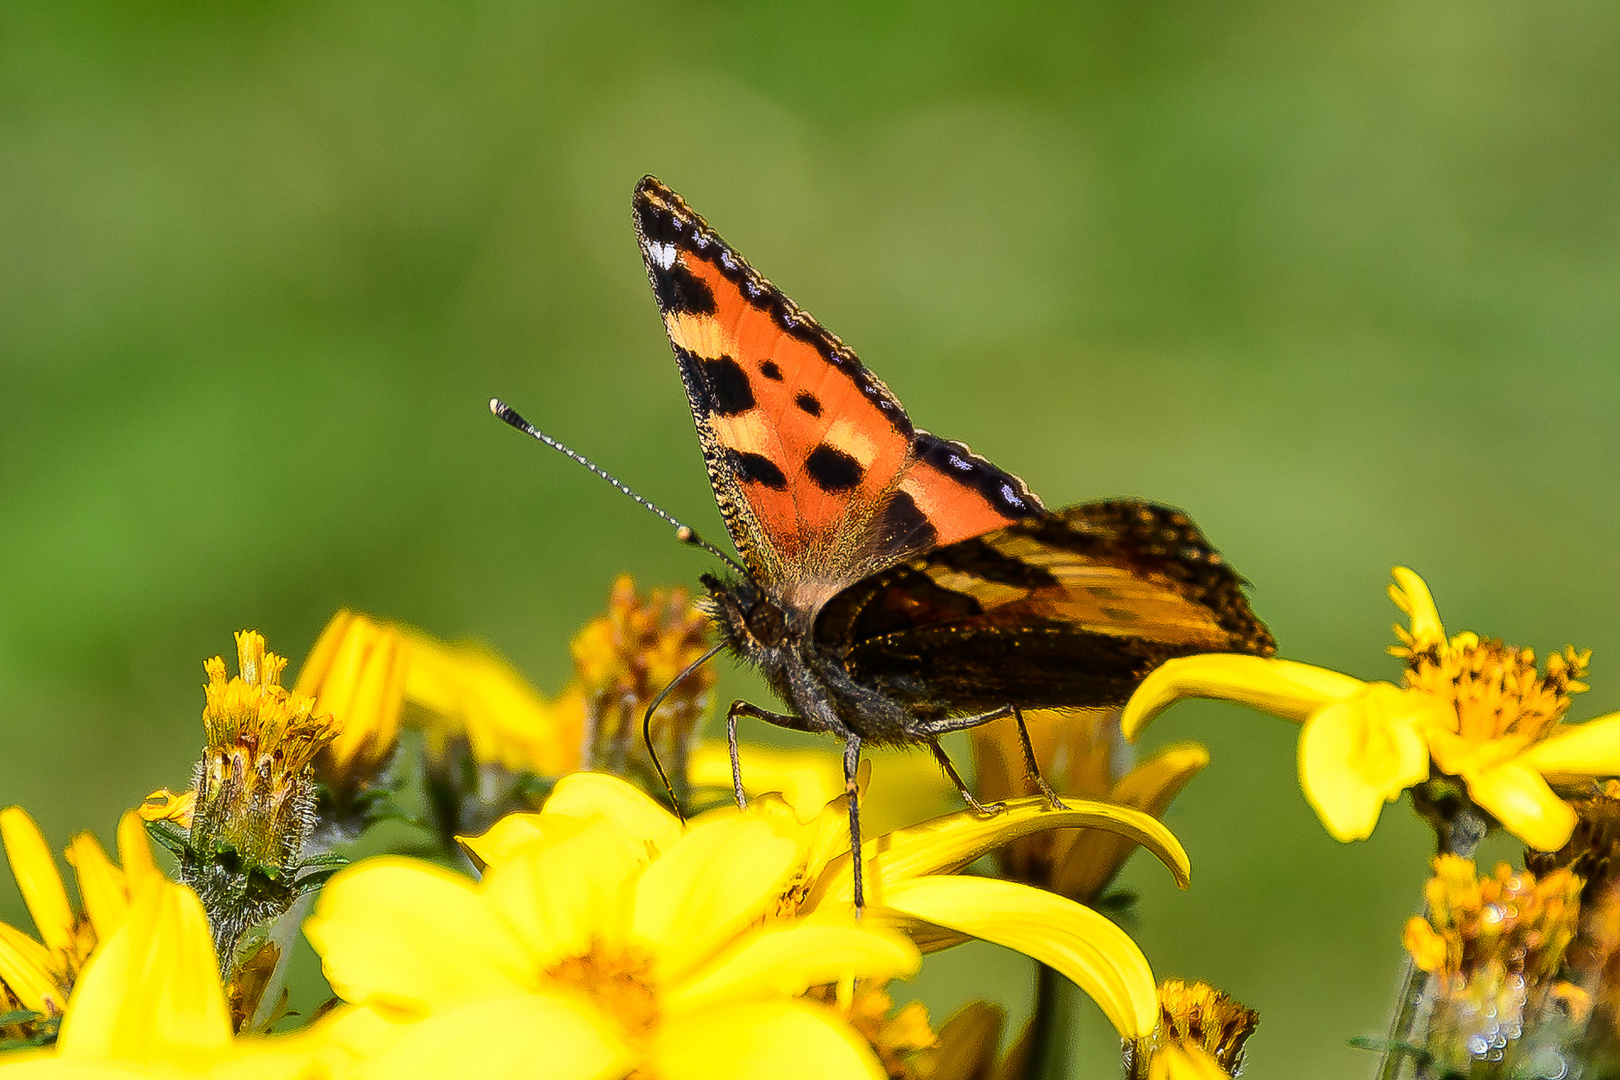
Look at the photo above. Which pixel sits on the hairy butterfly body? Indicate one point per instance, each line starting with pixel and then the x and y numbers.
pixel 897 585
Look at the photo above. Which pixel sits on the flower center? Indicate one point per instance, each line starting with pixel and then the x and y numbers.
pixel 618 983
pixel 1494 689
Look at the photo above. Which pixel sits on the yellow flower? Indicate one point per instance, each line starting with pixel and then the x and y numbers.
pixel 1474 709
pixel 1200 1036
pixel 911 879
pixel 149 1004
pixel 1084 755
pixel 597 943
pixel 41 975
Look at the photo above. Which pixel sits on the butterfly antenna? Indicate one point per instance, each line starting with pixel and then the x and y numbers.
pixel 646 724
pixel 683 532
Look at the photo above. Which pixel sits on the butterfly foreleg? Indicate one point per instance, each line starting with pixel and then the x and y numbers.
pixel 754 712
pixel 1031 769
pixel 956 778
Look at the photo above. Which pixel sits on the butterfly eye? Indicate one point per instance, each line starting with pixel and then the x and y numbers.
pixel 765 622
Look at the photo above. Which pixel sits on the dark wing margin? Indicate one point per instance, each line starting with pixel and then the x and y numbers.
pixel 1072 608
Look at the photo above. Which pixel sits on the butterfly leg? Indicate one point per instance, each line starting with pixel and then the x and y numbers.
pixel 1031 768
pixel 754 712
pixel 852 766
pixel 956 778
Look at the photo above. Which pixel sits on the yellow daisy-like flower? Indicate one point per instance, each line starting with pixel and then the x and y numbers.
pixel 1085 755
pixel 41 975
pixel 597 943
pixel 911 879
pixel 149 1004
pixel 1473 709
pixel 1200 1036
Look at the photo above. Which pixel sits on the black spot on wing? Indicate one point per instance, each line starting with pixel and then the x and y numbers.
pixel 729 391
pixel 806 401
pixel 905 527
pixel 1002 490
pixel 751 468
pixel 769 369
pixel 832 470
pixel 678 290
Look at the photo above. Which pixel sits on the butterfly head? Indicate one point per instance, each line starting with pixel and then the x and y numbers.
pixel 753 626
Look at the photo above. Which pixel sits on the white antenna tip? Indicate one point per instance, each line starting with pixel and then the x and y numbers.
pixel 496 405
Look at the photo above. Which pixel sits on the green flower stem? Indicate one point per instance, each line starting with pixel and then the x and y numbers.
pixel 1051 1027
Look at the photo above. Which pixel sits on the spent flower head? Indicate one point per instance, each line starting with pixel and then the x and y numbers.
pixel 623 660
pixel 1494 948
pixel 1200 1035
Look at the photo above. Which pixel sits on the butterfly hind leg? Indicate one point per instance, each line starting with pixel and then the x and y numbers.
pixel 1031 768
pixel 932 729
pixel 982 809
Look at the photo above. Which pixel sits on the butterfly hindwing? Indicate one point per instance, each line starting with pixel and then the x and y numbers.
pixel 1065 609
pixel 818 472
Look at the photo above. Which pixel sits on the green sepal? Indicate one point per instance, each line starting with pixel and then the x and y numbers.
pixel 169 835
pixel 312 873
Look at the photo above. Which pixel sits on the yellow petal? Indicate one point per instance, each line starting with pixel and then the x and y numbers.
pixel 1354 756
pixel 101 885
pixel 952 842
pixel 592 794
pixel 37 879
pixel 721 876
pixel 413 936
pixel 1097 955
pixel 26 967
pixel 135 852
pixel 1411 594
pixel 1589 749
pixel 1520 799
pixel 359 679
pixel 513 833
pixel 1282 687
pixel 1095 856
pixel 568 897
pixel 807 779
pixel 151 990
pixel 509 1039
pixel 785 959
pixel 766 1040
pixel 1174 1061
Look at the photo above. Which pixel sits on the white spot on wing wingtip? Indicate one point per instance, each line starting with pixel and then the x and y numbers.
pixel 661 255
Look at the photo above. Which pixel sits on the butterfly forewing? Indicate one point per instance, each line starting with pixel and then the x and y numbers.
pixel 818 472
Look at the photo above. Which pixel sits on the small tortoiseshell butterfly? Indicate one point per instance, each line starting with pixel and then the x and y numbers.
pixel 896 586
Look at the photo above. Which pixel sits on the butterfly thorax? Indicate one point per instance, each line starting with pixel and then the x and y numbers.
pixel 807 675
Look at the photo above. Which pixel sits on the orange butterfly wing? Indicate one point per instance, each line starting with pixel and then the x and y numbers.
pixel 819 474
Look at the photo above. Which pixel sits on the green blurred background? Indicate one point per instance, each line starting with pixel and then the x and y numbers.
pixel 1343 280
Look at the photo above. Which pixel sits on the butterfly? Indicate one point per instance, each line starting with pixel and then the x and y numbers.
pixel 894 586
